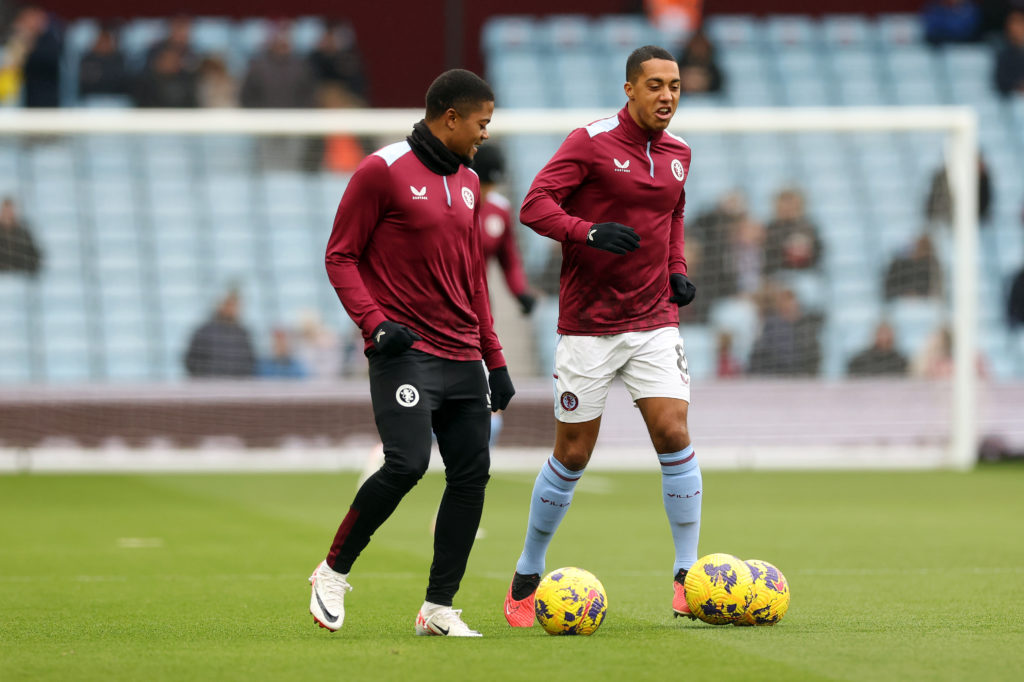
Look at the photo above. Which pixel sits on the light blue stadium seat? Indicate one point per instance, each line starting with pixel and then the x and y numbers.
pixel 783 31
pixel 503 33
pixel 251 35
pixel 227 192
pixel 917 93
pixel 15 363
pixel 850 329
pixel 740 318
pixel 914 321
pixel 799 63
pixel 212 35
pixel 112 194
pixel 842 31
pixel 753 94
pixel 138 35
pixel 1016 343
pixel 867 93
pixel 66 348
pixel 969 61
pixel 285 189
pixel 626 32
pixel 80 36
pixel 699 345
pixel 733 30
pixel 807 285
pixel 306 33
pixel 912 62
pixel 564 32
pixel 227 153
pixel 578 84
pixel 899 29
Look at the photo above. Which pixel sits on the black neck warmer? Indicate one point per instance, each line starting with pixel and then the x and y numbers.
pixel 433 153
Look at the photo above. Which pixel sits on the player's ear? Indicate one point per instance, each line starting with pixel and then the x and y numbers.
pixel 628 89
pixel 451 117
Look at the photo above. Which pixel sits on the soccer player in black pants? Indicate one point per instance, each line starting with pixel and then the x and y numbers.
pixel 405 259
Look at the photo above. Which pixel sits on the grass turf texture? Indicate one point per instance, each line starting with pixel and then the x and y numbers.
pixel 894 576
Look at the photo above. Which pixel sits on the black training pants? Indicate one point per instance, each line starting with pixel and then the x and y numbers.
pixel 414 396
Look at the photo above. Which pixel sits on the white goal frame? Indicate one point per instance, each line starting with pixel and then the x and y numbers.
pixel 960 124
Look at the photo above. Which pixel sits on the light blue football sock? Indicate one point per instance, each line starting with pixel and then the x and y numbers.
pixel 552 494
pixel 497 421
pixel 682 488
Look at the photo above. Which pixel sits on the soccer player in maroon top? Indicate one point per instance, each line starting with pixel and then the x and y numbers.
pixel 497 235
pixel 613 195
pixel 404 257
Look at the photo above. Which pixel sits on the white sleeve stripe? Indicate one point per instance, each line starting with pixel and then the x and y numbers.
pixel 603 126
pixel 393 152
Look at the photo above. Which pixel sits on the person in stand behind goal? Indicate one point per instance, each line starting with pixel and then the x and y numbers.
pixel 498 238
pixel 613 195
pixel 404 258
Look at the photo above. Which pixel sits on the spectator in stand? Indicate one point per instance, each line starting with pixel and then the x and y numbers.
pixel 102 69
pixel 676 18
pixel 880 358
pixel 18 251
pixel 951 21
pixel 335 61
pixel 939 207
pixel 221 346
pixel 1010 59
pixel 216 87
pixel 279 79
pixel 179 39
pixel 282 363
pixel 337 152
pixel 168 84
pixel 1015 303
pixel 726 364
pixel 41 37
pixel 698 69
pixel 792 241
pixel 788 344
pixel 498 238
pixel 728 249
pixel 915 274
pixel 318 347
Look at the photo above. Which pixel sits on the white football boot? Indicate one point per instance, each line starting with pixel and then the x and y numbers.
pixel 327 602
pixel 446 622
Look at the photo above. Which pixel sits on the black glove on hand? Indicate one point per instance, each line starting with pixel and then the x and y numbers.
pixel 614 237
pixel 502 389
pixel 683 290
pixel 391 338
pixel 526 303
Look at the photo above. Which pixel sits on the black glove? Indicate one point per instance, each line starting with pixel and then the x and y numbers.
pixel 614 237
pixel 682 288
pixel 502 389
pixel 391 338
pixel 526 303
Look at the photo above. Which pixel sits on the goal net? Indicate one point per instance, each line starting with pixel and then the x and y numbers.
pixel 812 236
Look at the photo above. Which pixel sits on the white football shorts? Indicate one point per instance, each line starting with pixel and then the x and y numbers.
pixel 652 364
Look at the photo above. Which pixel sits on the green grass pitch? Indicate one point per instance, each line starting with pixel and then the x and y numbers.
pixel 894 576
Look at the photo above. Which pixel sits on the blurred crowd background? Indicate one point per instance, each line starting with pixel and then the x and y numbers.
pixel 164 257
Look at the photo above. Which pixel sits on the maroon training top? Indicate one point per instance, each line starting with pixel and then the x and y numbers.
pixel 406 247
pixel 498 240
pixel 614 171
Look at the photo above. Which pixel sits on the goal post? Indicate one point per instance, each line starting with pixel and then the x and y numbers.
pixel 958 125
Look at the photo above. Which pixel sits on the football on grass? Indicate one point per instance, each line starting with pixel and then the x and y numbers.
pixel 719 588
pixel 771 595
pixel 570 601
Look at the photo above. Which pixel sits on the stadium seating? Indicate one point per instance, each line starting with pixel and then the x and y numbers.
pixel 142 234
